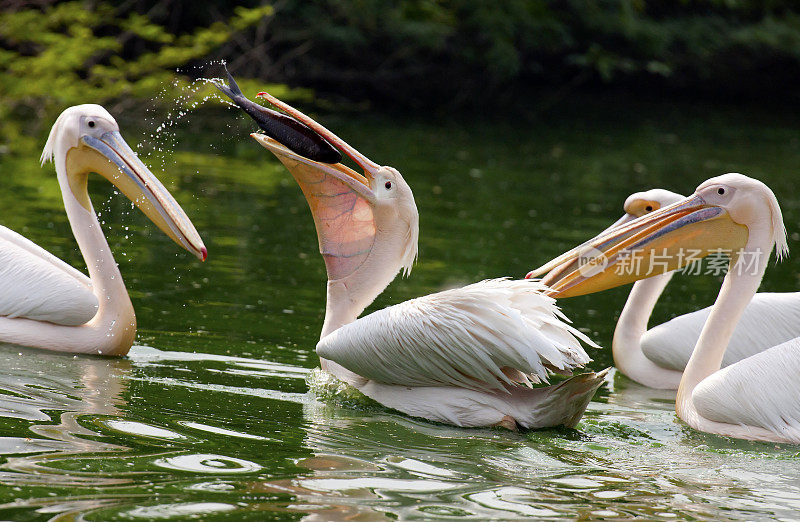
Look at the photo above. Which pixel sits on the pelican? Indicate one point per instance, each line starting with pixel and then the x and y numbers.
pixel 656 357
pixel 756 397
pixel 467 356
pixel 44 302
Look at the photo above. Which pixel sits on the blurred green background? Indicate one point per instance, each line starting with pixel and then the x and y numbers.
pixel 521 126
pixel 436 57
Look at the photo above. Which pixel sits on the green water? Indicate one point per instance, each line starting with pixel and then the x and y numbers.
pixel 211 416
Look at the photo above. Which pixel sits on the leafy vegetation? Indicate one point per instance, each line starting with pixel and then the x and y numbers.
pixel 79 52
pixel 445 54
pixel 460 52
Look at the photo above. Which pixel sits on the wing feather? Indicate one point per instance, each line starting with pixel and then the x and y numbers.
pixel 762 390
pixel 34 284
pixel 478 337
pixel 770 319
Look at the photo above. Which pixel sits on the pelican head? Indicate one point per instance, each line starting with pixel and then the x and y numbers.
pixel 367 223
pixel 641 203
pixel 727 213
pixel 88 139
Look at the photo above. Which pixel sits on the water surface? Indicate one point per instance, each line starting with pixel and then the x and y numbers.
pixel 211 415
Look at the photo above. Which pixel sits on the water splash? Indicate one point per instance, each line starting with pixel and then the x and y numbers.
pixel 328 388
pixel 180 101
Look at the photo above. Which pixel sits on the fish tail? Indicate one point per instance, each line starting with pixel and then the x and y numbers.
pixel 231 90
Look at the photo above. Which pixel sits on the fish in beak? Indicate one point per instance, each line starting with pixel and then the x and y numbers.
pixel 111 157
pixel 342 201
pixel 286 130
pixel 294 161
pixel 634 249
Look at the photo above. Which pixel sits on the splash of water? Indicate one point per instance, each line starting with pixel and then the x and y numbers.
pixel 180 101
pixel 328 388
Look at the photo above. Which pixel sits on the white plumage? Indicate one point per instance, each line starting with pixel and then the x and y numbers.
pixel 758 397
pixel 46 303
pixel 34 284
pixel 762 390
pixel 658 356
pixel 464 356
pixel 482 337
pixel 561 404
pixel 770 319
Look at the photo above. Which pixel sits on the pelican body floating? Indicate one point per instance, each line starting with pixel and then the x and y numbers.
pixel 294 135
pixel 466 356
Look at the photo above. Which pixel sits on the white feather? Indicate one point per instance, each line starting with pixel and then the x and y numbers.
pixel 769 319
pixel 762 390
pixel 473 337
pixel 34 284
pixel 546 406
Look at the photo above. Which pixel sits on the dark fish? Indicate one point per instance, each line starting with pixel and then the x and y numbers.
pixel 286 130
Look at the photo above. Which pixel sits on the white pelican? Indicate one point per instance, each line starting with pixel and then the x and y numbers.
pixel 465 356
pixel 755 398
pixel 44 302
pixel 657 357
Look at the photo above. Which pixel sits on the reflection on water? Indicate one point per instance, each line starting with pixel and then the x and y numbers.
pixel 53 392
pixel 34 383
pixel 632 458
pixel 214 418
pixel 93 454
pixel 78 437
pixel 200 463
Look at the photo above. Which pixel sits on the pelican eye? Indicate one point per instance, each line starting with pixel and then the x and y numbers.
pixel 720 191
pixel 388 185
pixel 91 123
pixel 649 208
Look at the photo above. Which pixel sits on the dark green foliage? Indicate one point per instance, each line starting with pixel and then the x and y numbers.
pixel 411 53
pixel 459 51
pixel 79 52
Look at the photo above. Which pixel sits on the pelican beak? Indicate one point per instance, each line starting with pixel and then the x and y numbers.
pixel 285 129
pixel 127 172
pixel 575 253
pixel 292 160
pixel 656 243
pixel 341 200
